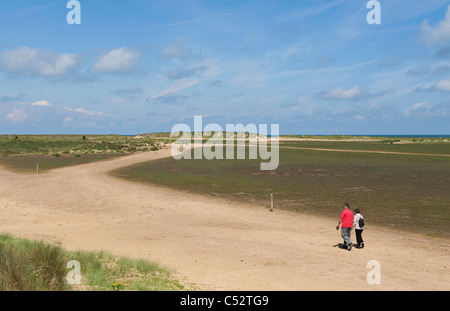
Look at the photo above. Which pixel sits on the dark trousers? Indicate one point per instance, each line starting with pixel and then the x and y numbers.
pixel 359 238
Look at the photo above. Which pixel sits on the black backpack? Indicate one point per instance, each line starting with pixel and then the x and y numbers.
pixel 361 222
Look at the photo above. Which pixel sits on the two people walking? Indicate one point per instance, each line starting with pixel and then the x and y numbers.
pixel 348 221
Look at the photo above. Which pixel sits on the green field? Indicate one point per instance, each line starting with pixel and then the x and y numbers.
pixel 406 192
pixel 77 144
pixel 23 153
pixel 426 147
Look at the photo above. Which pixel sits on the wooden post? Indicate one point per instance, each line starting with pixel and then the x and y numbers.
pixel 271 202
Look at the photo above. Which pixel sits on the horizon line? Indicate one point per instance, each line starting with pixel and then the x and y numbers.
pixel 281 135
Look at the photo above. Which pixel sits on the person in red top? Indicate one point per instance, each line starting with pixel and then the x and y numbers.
pixel 346 222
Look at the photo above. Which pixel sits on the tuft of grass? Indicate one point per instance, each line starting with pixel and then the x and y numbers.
pixel 37 266
pixel 31 266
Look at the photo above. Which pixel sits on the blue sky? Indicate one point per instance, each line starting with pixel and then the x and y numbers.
pixel 312 66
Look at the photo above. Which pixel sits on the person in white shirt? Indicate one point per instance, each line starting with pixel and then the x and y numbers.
pixel 358 229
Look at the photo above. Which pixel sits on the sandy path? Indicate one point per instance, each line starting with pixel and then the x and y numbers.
pixel 212 243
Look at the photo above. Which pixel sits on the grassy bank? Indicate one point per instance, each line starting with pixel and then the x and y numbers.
pixel 407 192
pixel 36 266
pixel 77 144
pixel 23 153
pixel 27 164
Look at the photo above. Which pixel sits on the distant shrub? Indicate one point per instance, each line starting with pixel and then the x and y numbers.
pixel 390 141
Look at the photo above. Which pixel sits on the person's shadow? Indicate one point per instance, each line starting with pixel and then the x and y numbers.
pixel 341 246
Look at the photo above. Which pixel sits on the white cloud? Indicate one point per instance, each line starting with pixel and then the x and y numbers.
pixel 443 85
pixel 180 73
pixel 181 23
pixel 133 89
pixel 68 122
pixel 86 112
pixel 18 115
pixel 438 34
pixel 37 8
pixel 315 10
pixel 424 109
pixel 42 103
pixel 418 108
pixel 175 52
pixel 118 61
pixel 174 88
pixel 341 93
pixel 28 61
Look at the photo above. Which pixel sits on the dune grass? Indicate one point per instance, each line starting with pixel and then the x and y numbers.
pixel 36 266
pixel 25 152
pixel 76 144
